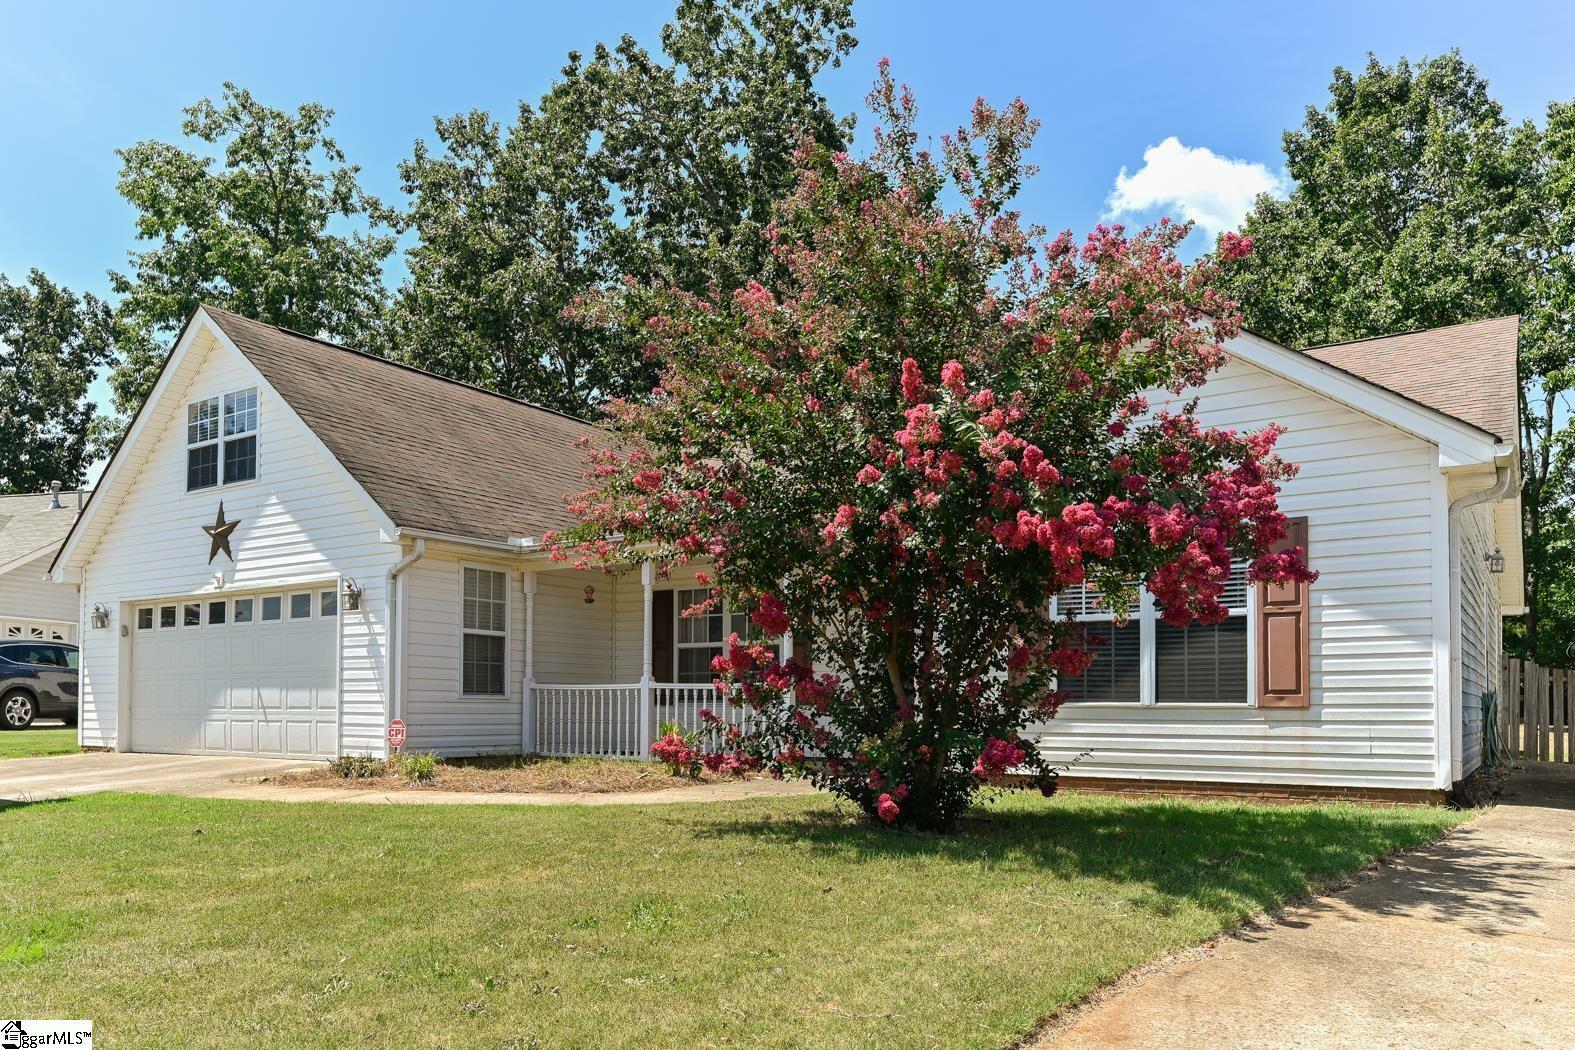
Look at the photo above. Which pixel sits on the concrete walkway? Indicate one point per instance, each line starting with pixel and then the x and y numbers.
pixel 60 776
pixel 1468 942
pixel 208 776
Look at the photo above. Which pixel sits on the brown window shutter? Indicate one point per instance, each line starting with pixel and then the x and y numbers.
pixel 801 652
pixel 1285 633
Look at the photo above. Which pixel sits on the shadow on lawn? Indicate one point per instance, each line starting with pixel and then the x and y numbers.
pixel 1220 857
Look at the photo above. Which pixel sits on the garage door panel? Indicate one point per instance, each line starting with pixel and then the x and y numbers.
pixel 299 737
pixel 241 695
pixel 250 687
pixel 300 696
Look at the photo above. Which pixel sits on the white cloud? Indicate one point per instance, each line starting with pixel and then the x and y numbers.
pixel 1213 191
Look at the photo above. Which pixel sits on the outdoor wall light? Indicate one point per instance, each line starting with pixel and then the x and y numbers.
pixel 99 617
pixel 590 596
pixel 1495 561
pixel 352 594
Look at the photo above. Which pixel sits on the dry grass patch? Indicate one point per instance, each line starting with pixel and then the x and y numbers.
pixel 506 773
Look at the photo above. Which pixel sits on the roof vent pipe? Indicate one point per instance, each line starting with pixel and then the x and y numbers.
pixel 79 503
pixel 54 496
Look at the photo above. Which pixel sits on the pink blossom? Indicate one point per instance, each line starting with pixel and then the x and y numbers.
pixel 1234 246
pixel 771 615
pixel 952 378
pixel 997 757
pixel 913 386
pixel 887 809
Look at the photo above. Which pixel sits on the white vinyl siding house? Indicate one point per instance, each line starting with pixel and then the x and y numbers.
pixel 1366 489
pixel 302 529
pixel 413 543
pixel 1481 637
pixel 31 605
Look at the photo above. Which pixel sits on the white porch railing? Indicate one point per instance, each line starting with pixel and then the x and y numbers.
pixel 598 720
pixel 604 721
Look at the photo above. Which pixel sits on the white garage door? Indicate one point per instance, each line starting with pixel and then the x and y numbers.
pixel 251 674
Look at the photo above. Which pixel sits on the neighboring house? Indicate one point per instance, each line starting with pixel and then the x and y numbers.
pixel 297 542
pixel 31 528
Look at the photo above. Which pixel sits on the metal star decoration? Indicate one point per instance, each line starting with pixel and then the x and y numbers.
pixel 219 532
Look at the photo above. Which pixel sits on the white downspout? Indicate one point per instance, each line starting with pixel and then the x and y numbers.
pixel 396 649
pixel 1504 482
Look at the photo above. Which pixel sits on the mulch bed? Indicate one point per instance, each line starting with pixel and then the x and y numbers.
pixel 509 773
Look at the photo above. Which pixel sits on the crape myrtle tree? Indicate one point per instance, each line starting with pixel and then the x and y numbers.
pixel 902 447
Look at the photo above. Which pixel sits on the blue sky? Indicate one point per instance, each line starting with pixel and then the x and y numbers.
pixel 1112 84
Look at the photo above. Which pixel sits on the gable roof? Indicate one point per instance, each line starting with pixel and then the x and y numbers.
pixel 1466 371
pixel 435 454
pixel 29 528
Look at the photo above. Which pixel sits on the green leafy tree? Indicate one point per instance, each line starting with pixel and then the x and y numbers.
pixel 656 167
pixel 52 343
pixel 1417 204
pixel 263 229
pixel 511 229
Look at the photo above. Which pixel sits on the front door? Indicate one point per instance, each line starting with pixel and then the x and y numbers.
pixel 662 650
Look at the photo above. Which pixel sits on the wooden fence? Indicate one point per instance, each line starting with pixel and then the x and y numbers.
pixel 1534 711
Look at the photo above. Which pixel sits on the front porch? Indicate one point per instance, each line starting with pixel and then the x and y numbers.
pixel 578 622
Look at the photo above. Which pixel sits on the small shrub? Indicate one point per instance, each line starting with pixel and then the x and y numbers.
pixel 418 767
pixel 358 767
pixel 677 750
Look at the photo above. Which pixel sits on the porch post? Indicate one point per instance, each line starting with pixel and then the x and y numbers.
pixel 527 692
pixel 647 704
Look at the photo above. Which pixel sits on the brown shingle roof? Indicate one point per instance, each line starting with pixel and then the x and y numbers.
pixel 435 454
pixel 1466 370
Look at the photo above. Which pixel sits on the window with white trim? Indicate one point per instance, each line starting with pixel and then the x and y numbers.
pixel 1147 661
pixel 221 440
pixel 484 631
pixel 700 639
pixel 1116 675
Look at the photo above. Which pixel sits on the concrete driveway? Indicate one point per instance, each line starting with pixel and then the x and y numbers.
pixel 1467 942
pixel 59 776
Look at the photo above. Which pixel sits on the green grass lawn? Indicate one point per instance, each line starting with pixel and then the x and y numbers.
pixel 775 922
pixel 34 743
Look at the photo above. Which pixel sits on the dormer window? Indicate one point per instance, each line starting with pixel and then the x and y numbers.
pixel 221 440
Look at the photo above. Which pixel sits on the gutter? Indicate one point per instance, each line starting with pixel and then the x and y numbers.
pixel 1505 479
pixel 396 666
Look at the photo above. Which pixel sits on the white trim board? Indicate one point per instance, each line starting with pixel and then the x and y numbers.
pixel 105 492
pixel 1459 443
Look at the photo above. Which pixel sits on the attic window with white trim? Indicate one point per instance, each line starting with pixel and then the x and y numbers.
pixel 1146 661
pixel 221 440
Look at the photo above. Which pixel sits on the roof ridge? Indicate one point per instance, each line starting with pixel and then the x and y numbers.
pixel 404 365
pixel 33 495
pixel 1410 331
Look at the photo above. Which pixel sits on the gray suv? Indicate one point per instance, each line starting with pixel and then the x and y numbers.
pixel 37 680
